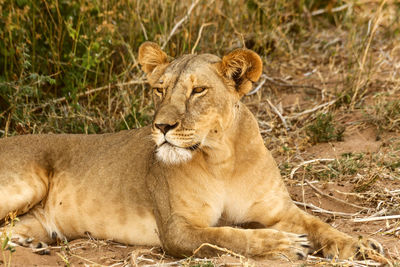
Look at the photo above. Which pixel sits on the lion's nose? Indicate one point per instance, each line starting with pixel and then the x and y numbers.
pixel 164 128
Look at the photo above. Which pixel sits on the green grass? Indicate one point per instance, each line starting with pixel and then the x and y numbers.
pixel 52 50
pixel 324 129
pixel 385 115
pixel 6 248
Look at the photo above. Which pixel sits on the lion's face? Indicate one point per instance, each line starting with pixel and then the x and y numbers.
pixel 192 105
pixel 195 97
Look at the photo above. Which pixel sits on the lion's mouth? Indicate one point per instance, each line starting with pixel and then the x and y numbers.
pixel 191 148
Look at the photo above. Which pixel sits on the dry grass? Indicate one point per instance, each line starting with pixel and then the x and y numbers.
pixel 70 68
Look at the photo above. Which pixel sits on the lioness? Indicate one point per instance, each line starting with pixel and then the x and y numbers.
pixel 198 170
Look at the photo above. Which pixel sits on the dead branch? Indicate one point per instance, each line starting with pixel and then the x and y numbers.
pixel 334 198
pixel 327 104
pixel 218 248
pixel 279 114
pixel 380 218
pixel 88 92
pixel 199 35
pixel 140 21
pixel 364 58
pixel 177 25
pixel 290 85
pixel 305 163
pixel 321 210
pixel 364 263
pixel 333 10
pixel 258 87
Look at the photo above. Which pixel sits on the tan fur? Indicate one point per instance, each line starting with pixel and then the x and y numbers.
pixel 198 170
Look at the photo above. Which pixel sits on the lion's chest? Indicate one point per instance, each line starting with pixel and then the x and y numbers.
pixel 213 204
pixel 235 208
pixel 228 208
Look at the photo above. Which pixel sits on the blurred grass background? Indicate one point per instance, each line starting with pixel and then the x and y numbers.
pixel 71 66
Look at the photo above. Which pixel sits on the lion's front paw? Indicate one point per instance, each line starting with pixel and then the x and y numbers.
pixel 37 246
pixel 291 246
pixel 348 247
pixel 368 246
pixel 299 247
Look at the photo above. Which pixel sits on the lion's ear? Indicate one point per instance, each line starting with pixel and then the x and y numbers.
pixel 244 67
pixel 151 56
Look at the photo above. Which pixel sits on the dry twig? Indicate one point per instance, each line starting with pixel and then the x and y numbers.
pixel 327 104
pixel 321 210
pixel 218 248
pixel 177 25
pixel 199 35
pixel 258 87
pixel 290 85
pixel 88 92
pixel 333 10
pixel 279 114
pixel 305 163
pixel 320 261
pixel 380 218
pixel 364 58
pixel 334 198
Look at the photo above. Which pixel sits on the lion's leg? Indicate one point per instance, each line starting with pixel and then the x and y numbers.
pixel 182 239
pixel 21 190
pixel 29 231
pixel 322 236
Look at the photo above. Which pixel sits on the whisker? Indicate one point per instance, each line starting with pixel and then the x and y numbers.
pixel 194 147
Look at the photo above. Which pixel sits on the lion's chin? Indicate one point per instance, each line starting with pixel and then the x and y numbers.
pixel 172 154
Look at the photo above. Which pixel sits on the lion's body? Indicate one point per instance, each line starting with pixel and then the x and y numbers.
pixel 81 183
pixel 199 169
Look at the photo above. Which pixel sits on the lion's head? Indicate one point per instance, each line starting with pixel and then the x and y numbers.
pixel 195 97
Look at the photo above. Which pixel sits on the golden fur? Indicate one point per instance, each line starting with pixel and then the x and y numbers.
pixel 198 170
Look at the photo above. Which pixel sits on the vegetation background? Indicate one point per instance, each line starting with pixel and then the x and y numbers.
pixel 70 66
pixel 331 67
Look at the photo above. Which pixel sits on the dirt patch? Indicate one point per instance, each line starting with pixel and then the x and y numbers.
pixel 355 141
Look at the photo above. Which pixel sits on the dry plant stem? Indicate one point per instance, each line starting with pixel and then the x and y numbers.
pixel 327 104
pixel 91 262
pixel 37 250
pixel 177 25
pixel 334 198
pixel 305 163
pixel 380 218
pixel 364 58
pixel 232 24
pixel 88 92
pixel 373 255
pixel 183 262
pixel 303 192
pixel 199 35
pixel 333 10
pixel 140 21
pixel 175 263
pixel 320 262
pixel 290 85
pixel 63 258
pixel 7 125
pixel 258 87
pixel 218 248
pixel 137 256
pixel 321 210
pixel 279 114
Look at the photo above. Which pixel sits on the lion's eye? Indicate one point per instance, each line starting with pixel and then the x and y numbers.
pixel 198 90
pixel 158 90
